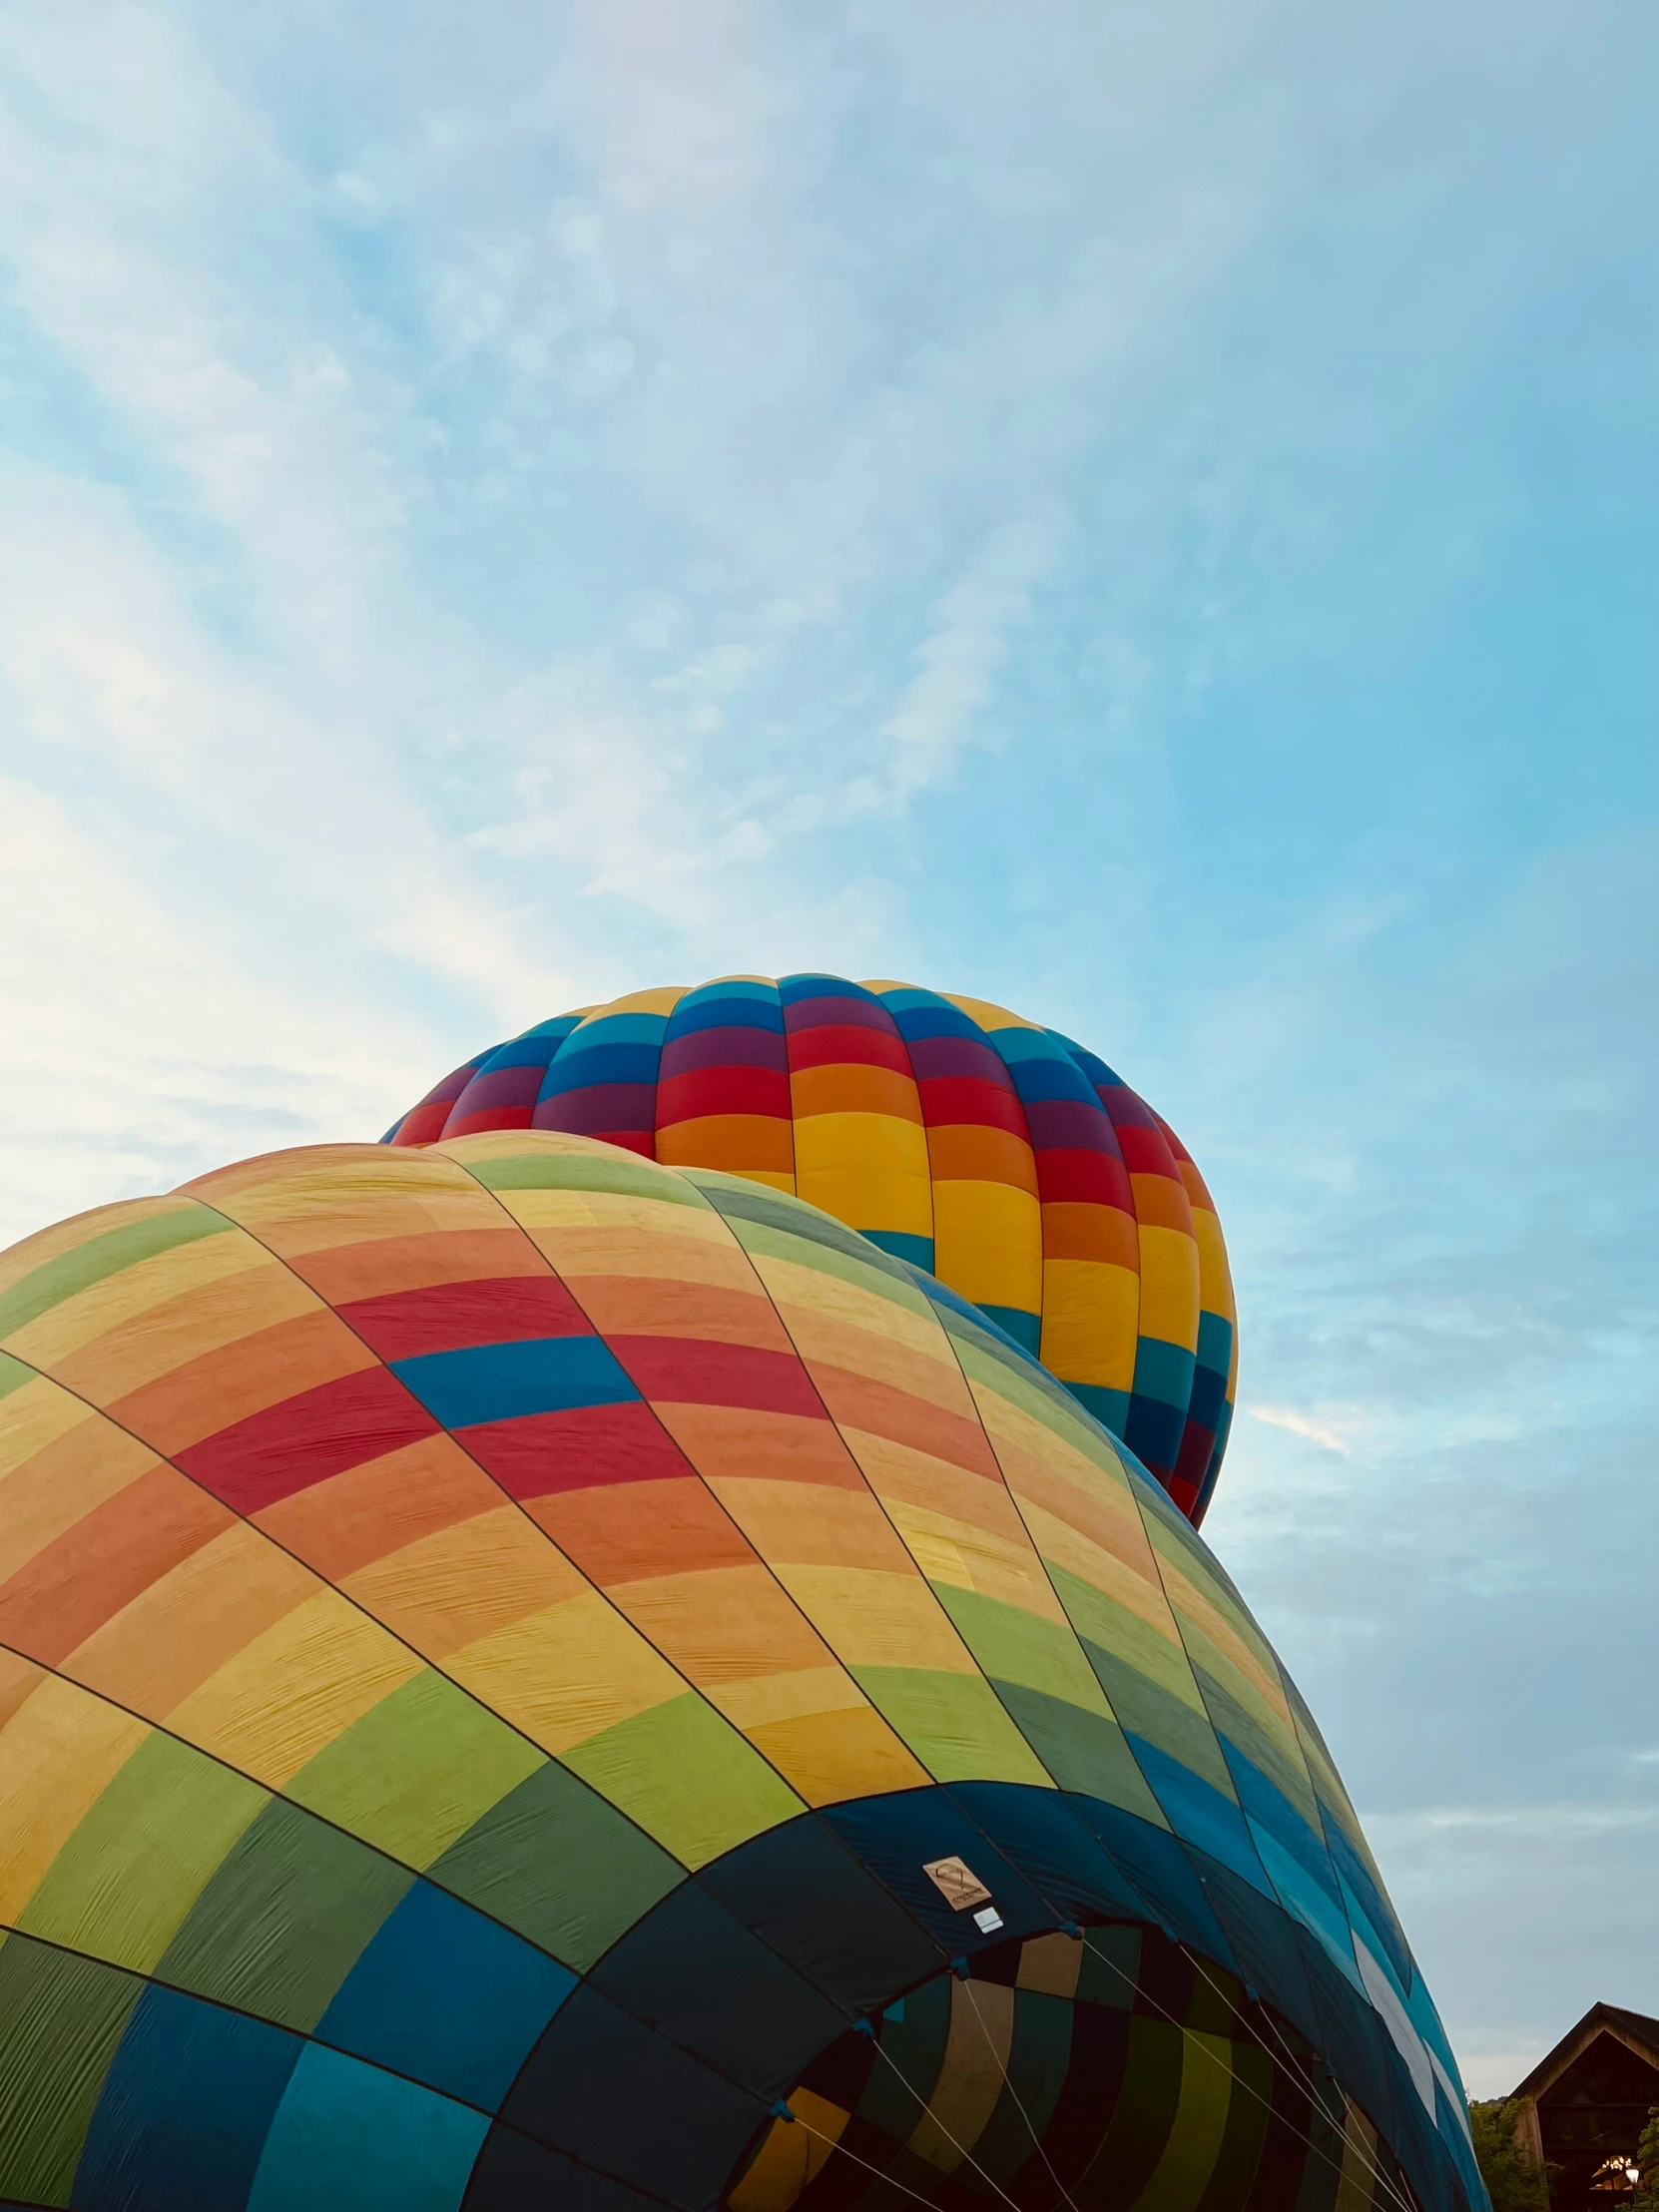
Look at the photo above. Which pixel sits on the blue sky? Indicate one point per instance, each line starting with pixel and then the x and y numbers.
pixel 1143 513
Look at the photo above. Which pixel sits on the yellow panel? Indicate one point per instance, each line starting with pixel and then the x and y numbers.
pixel 286 1696
pixel 828 1757
pixel 57 1755
pixel 177 1633
pixel 33 1418
pixel 660 1001
pixel 868 1199
pixel 856 1347
pixel 465 1582
pixel 1090 1310
pixel 612 1212
pixel 879 1620
pixel 150 1343
pixel 988 1243
pixel 810 1291
pixel 1215 1277
pixel 793 2153
pixel 887 1144
pixel 1169 1287
pixel 968 1557
pixel 58 1486
pixel 567 1673
pixel 987 1015
pixel 148 1284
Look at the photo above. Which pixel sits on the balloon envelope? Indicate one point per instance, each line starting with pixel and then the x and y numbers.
pixel 533 1677
pixel 996 1154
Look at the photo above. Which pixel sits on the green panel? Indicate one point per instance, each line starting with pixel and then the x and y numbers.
pixel 417 1771
pixel 1188 2161
pixel 137 1863
pixel 954 1723
pixel 788 1236
pixel 574 1171
pixel 1083 1751
pixel 61 2018
pixel 1102 1621
pixel 284 1922
pixel 992 1369
pixel 1016 1645
pixel 1241 1727
pixel 1247 2132
pixel 687 1778
pixel 73 1271
pixel 557 1863
pixel 1146 2109
pixel 13 1375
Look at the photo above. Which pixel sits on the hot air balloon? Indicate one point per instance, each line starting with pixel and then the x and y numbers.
pixel 531 1677
pixel 996 1154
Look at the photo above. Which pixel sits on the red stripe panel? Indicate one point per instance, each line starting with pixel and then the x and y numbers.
pixel 948 1100
pixel 423 1124
pixel 1145 1152
pixel 106 1560
pixel 442 1317
pixel 689 1371
pixel 582 1447
pixel 306 1439
pixel 835 1044
pixel 728 1090
pixel 1079 1178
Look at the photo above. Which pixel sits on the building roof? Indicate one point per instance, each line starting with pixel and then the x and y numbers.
pixel 1640 2030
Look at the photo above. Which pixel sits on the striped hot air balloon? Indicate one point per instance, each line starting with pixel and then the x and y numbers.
pixel 1009 1161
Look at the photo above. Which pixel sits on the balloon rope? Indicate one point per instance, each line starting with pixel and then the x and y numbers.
pixel 839 2149
pixel 1405 2204
pixel 1008 2084
pixel 1372 2164
pixel 966 2154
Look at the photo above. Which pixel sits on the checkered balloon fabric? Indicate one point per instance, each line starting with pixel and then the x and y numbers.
pixel 531 1676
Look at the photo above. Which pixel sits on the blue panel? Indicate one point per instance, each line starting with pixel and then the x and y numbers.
pixel 1109 1408
pixel 1164 1371
pixel 918 1250
pixel 1162 1874
pixel 793 989
pixel 1021 1048
pixel 538 1374
pixel 1271 1809
pixel 349 2138
pixel 522 1052
pixel 182 2120
pixel 578 1066
pixel 447 1995
pixel 1026 1329
pixel 761 994
pixel 898 1836
pixel 1199 1812
pixel 1092 1065
pixel 1153 1431
pixel 723 1008
pixel 603 1030
pixel 919 1014
pixel 1215 1341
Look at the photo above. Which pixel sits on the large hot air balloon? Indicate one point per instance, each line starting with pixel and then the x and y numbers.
pixel 531 1678
pixel 996 1154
